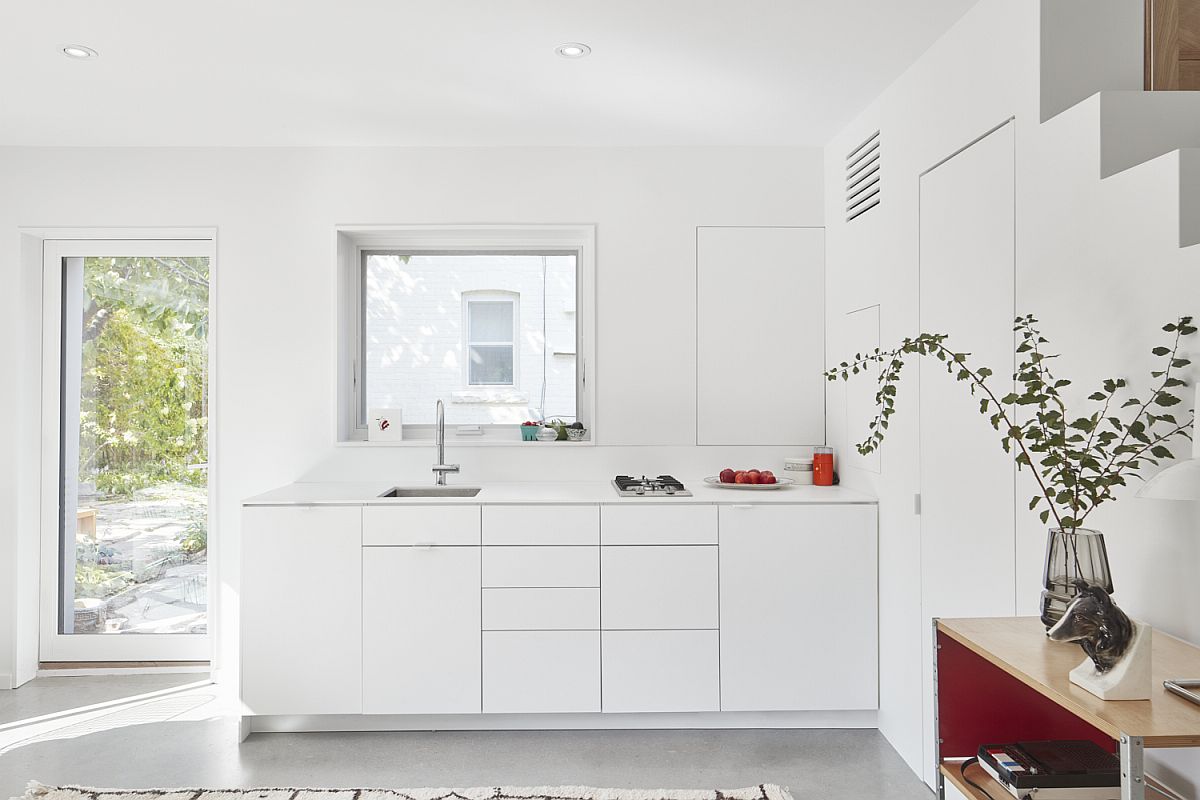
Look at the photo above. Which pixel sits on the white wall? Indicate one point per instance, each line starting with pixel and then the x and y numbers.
pixel 276 209
pixel 1097 261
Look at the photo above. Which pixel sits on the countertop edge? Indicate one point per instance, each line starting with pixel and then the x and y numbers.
pixel 562 493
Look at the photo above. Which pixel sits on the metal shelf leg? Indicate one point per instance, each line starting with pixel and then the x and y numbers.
pixel 1133 768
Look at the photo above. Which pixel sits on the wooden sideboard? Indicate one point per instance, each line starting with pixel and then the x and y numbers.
pixel 1001 680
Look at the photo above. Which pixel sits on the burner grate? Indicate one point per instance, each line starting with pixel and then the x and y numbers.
pixel 662 485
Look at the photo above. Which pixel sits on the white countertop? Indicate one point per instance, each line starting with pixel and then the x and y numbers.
pixel 563 492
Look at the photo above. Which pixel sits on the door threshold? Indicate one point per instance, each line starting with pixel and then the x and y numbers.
pixel 65 669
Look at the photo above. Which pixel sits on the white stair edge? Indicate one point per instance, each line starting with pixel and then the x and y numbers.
pixel 1087 46
pixel 1137 126
pixel 1189 196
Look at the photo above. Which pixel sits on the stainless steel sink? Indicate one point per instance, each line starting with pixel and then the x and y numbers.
pixel 432 491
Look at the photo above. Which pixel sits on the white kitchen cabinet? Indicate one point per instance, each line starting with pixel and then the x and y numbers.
pixel 760 345
pixel 658 524
pixel 659 587
pixel 620 607
pixel 799 608
pixel 661 671
pixel 421 630
pixel 541 671
pixel 541 524
pixel 301 610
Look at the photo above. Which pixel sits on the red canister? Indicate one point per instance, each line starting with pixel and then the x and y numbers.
pixel 823 466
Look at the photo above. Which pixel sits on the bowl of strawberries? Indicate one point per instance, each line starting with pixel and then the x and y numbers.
pixel 748 479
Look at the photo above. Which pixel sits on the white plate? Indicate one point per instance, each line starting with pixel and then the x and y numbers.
pixel 715 481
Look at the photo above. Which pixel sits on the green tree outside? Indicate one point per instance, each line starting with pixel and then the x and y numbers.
pixel 144 409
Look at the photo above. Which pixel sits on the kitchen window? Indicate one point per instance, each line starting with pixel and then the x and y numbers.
pixel 496 322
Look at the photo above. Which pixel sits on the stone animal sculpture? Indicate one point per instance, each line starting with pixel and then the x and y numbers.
pixel 1095 622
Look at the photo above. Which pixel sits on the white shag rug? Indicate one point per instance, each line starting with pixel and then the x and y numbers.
pixel 766 791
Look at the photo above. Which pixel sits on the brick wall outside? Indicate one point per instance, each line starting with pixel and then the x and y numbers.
pixel 415 346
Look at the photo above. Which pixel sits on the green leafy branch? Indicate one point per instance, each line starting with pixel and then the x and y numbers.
pixel 1076 462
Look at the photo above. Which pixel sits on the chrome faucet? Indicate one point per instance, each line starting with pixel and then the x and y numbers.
pixel 439 438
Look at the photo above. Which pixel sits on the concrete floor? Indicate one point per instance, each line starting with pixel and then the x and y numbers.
pixel 146 731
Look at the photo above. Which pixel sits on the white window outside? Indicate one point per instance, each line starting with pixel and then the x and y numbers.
pixel 490 320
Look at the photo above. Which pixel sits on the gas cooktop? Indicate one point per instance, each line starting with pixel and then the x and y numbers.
pixel 662 486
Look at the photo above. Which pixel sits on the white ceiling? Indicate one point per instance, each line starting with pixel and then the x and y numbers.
pixel 452 72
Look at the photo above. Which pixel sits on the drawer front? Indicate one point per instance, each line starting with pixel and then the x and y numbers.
pixel 548 525
pixel 633 524
pixel 421 525
pixel 572 567
pixel 541 609
pixel 659 587
pixel 661 671
pixel 541 672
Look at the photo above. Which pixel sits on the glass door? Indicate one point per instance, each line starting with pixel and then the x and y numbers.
pixel 126 420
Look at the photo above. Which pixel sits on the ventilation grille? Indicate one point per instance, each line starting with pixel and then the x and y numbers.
pixel 862 178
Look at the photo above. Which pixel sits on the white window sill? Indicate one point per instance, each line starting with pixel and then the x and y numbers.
pixel 491 397
pixel 467 441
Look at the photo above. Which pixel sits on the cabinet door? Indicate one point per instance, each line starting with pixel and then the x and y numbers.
pixel 541 672
pixel 661 671
pixel 760 345
pixel 421 629
pixel 798 608
pixel 301 610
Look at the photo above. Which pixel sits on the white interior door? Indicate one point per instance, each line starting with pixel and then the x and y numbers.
pixel 125 446
pixel 967 240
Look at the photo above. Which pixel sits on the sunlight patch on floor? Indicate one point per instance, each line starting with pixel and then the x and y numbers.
pixel 196 701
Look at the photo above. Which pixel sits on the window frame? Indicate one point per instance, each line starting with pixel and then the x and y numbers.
pixel 513 299
pixel 54 248
pixel 353 241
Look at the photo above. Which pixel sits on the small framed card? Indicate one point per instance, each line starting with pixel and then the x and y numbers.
pixel 384 425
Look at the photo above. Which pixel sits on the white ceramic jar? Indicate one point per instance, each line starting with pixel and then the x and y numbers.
pixel 800 470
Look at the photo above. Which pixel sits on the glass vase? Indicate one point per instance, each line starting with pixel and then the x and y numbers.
pixel 1071 555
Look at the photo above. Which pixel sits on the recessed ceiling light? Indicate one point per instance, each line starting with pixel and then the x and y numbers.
pixel 79 51
pixel 572 50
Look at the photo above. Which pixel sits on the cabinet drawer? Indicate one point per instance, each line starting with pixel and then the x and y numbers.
pixel 541 609
pixel 421 525
pixel 661 671
pixel 632 524
pixel 541 525
pixel 577 567
pixel 659 587
pixel 541 672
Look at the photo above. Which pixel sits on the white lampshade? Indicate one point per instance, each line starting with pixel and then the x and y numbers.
pixel 1179 481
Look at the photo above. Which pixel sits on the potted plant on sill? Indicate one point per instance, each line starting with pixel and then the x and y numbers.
pixel 1076 462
